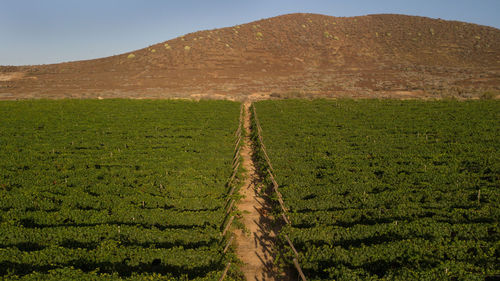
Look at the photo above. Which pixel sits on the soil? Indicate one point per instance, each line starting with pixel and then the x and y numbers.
pixel 289 56
pixel 255 244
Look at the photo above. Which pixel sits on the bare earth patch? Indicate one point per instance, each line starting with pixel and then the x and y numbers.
pixel 10 76
pixel 255 245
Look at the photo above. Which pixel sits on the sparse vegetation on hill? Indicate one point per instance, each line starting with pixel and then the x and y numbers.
pixel 373 55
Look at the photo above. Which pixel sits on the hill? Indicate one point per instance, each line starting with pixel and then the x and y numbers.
pixel 289 55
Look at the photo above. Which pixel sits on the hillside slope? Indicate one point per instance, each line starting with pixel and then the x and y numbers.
pixel 375 55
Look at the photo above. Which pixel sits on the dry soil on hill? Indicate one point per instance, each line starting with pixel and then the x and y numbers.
pixel 295 55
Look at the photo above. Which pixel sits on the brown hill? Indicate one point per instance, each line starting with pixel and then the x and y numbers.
pixel 296 54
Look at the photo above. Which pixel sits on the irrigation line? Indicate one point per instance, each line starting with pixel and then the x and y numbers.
pixel 225 271
pixel 228 225
pixel 238 131
pixel 261 140
pixel 285 218
pixel 230 207
pixel 235 167
pixel 238 136
pixel 235 161
pixel 282 204
pixel 234 174
pixel 230 193
pixel 267 157
pixel 228 244
pixel 291 245
pixel 275 184
pixel 236 155
pixel 237 143
pixel 297 265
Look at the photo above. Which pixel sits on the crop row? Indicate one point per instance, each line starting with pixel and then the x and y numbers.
pixel 115 188
pixel 387 189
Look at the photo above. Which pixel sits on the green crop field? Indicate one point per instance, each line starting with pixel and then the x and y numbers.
pixel 114 189
pixel 138 190
pixel 387 190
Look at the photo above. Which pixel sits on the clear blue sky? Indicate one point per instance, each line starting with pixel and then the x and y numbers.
pixel 51 31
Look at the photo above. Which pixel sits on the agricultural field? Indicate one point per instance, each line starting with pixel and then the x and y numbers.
pixel 115 189
pixel 387 190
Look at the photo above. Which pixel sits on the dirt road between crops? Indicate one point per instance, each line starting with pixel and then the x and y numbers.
pixel 255 244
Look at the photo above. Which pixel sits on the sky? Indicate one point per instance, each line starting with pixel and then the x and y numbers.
pixel 53 31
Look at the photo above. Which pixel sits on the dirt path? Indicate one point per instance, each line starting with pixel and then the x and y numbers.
pixel 255 246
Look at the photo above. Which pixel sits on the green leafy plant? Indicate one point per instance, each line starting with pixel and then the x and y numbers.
pixel 115 189
pixel 380 190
